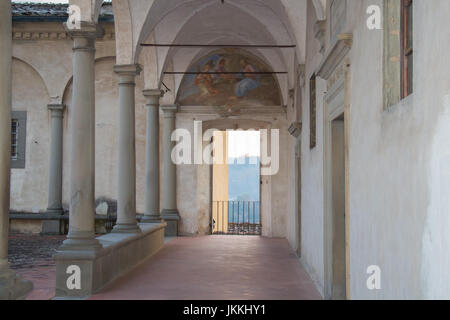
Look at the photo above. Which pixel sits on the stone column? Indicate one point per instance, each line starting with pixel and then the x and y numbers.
pixel 126 195
pixel 55 171
pixel 82 156
pixel 152 210
pixel 169 212
pixel 11 286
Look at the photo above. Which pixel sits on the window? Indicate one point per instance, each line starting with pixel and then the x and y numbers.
pixel 312 111
pixel 398 51
pixel 14 136
pixel 406 48
pixel 18 139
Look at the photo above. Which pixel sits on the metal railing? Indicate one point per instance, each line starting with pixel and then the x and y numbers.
pixel 236 218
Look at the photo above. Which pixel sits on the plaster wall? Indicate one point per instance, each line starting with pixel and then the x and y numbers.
pixel 398 163
pixel 294 111
pixel 312 233
pixel 398 160
pixel 29 186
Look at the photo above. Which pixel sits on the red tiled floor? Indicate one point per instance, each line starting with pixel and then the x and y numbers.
pixel 44 282
pixel 217 268
pixel 31 256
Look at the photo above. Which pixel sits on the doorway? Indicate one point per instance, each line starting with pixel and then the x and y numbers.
pixel 336 220
pixel 236 175
pixel 298 194
pixel 339 271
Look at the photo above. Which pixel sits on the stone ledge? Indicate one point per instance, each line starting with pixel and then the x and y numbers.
pixel 120 254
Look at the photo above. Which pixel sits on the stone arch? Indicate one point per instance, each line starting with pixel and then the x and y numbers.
pixel 30 94
pixel 97 5
pixel 69 81
pixel 34 71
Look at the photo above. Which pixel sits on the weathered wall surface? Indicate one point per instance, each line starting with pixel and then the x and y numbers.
pixel 312 168
pixel 399 164
pixel 29 186
pixel 395 203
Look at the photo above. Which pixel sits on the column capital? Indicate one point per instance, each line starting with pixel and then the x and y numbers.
pixel 86 30
pixel 127 73
pixel 152 96
pixel 57 110
pixel 153 92
pixel 169 108
pixel 127 69
pixel 56 107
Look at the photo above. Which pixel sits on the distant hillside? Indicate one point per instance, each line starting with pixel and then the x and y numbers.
pixel 243 178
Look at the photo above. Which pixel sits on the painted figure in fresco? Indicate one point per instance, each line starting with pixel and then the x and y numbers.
pixel 250 81
pixel 220 67
pixel 213 86
pixel 204 82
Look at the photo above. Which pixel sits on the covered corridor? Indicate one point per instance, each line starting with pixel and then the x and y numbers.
pixel 217 268
pixel 107 116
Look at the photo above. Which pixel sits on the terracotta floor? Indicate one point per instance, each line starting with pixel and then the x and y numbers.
pixel 44 282
pixel 217 268
pixel 31 256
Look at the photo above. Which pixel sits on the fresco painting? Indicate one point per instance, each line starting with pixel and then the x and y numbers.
pixel 229 91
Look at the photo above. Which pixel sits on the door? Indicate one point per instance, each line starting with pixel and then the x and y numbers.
pixel 338 208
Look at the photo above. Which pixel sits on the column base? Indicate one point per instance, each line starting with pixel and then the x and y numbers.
pixel 171 217
pixel 55 211
pixel 75 259
pixel 53 226
pixel 126 228
pixel 12 286
pixel 154 218
pixel 81 241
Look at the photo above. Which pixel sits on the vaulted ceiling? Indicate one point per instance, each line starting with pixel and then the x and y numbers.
pixel 252 22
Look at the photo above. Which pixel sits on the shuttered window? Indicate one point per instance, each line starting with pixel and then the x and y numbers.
pixel 14 138
pixel 18 139
pixel 406 35
pixel 312 111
